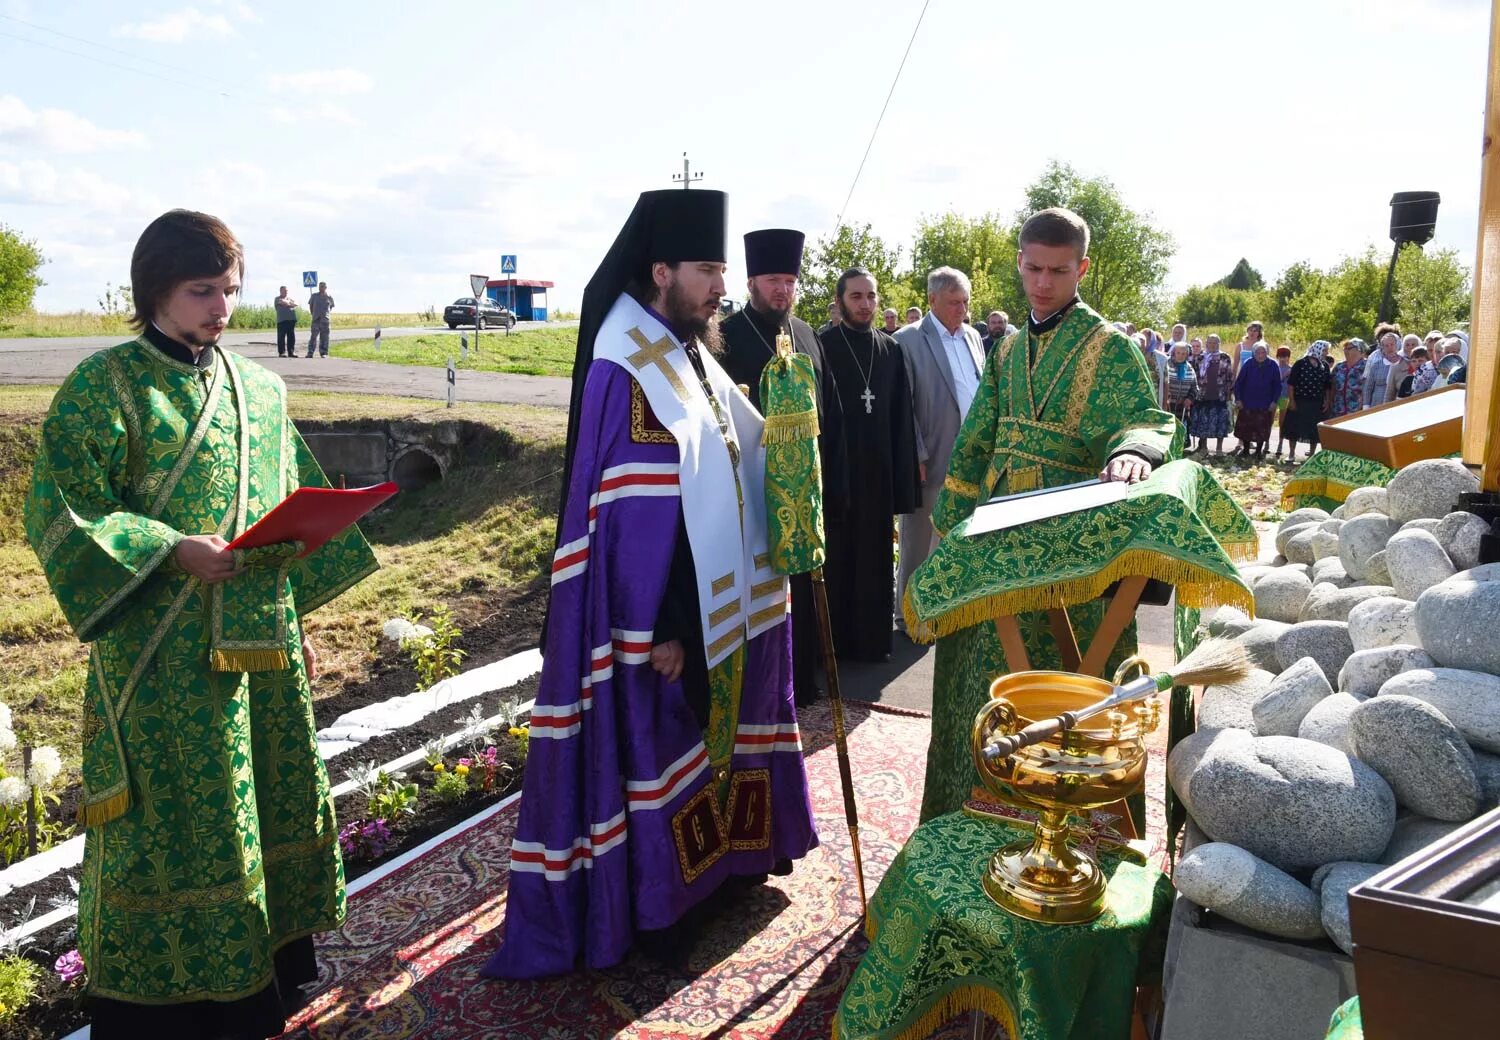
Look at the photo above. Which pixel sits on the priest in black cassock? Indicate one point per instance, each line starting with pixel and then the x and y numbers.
pixel 773 258
pixel 880 470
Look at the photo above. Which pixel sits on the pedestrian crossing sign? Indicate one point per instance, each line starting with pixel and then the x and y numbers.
pixel 309 279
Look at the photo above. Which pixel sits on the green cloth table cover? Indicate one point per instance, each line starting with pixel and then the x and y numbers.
pixel 1346 1023
pixel 939 947
pixel 1325 480
pixel 1178 525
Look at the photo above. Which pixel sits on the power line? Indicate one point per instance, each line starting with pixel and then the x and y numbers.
pixel 195 73
pixel 102 61
pixel 845 208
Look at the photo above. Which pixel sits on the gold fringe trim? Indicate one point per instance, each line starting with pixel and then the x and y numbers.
pixel 1323 487
pixel 948 1007
pixel 783 429
pixel 92 814
pixel 1196 587
pixel 248 660
pixel 1242 552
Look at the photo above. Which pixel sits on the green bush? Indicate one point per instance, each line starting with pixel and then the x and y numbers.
pixel 450 787
pixel 18 978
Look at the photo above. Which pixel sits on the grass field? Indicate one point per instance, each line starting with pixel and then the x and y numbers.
pixel 87 323
pixel 531 352
pixel 486 529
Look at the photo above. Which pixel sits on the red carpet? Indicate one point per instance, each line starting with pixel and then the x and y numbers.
pixel 406 963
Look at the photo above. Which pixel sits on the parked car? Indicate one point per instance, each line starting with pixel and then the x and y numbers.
pixel 461 312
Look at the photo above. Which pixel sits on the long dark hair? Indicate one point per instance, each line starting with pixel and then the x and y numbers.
pixel 176 247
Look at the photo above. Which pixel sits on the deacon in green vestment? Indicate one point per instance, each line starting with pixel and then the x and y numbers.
pixel 211 853
pixel 1064 400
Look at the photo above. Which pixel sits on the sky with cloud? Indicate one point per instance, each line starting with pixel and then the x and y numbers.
pixel 398 147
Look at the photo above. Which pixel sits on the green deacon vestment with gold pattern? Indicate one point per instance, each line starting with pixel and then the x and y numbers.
pixel 211 840
pixel 1050 410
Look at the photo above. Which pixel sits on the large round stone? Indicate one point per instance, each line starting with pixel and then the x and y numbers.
pixel 1420 754
pixel 1305 515
pixel 1302 546
pixel 1413 834
pixel 1286 532
pixel 1248 891
pixel 1363 537
pixel 1487 768
pixel 1190 752
pixel 1327 722
pixel 1334 898
pixel 1333 523
pixel 1295 803
pixel 1218 619
pixel 1330 603
pixel 1383 621
pixel 1427 523
pixel 1378 569
pixel 1260 642
pixel 1367 671
pixel 1326 642
pixel 1291 695
pixel 1429 488
pixel 1330 571
pixel 1416 562
pixel 1469 700
pixel 1459 536
pixel 1458 620
pixel 1233 706
pixel 1325 545
pixel 1279 596
pixel 1366 500
pixel 1339 514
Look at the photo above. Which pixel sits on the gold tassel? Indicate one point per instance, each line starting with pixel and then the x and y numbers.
pixel 92 814
pixel 952 1004
pixel 1195 588
pixel 1323 487
pixel 1242 552
pixel 248 660
pixel 784 429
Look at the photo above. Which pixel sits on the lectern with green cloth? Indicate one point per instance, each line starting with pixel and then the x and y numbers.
pixel 1326 479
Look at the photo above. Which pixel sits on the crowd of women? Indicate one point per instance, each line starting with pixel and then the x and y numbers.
pixel 1245 390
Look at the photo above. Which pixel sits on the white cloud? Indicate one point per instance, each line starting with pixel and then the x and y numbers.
pixel 57 130
pixel 323 81
pixel 34 182
pixel 322 112
pixel 178 27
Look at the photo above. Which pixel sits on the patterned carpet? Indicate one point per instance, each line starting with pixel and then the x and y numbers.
pixel 406 963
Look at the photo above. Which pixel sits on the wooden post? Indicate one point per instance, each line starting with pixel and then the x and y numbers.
pixel 1484 374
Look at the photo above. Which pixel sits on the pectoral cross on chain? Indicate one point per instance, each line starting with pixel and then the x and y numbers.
pixel 869 400
pixel 656 354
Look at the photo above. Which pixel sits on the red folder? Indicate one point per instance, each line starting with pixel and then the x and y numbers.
pixel 313 515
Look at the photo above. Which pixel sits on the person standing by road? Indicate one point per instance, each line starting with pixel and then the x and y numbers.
pixel 320 304
pixel 286 325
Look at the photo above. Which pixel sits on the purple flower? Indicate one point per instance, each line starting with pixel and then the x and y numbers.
pixel 465 761
pixel 69 966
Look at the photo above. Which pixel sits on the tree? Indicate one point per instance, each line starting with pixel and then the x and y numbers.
pixel 832 255
pixel 1243 277
pixel 978 246
pixel 1300 277
pixel 1214 305
pixel 20 259
pixel 1431 290
pixel 1129 256
pixel 1342 302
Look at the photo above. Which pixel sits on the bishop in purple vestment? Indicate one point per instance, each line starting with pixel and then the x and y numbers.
pixel 664 755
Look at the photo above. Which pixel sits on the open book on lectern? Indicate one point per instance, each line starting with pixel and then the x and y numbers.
pixel 1027 507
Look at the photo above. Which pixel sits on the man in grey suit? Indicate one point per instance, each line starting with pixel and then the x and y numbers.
pixel 944 359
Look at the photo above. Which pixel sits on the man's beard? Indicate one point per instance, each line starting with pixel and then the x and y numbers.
pixel 856 325
pixel 761 304
pixel 686 317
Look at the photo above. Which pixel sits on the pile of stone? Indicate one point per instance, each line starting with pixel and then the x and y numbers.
pixel 1372 724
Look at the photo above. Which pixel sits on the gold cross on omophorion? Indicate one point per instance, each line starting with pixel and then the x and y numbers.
pixel 656 354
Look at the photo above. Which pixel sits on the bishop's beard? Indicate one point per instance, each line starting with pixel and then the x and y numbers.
pixel 685 317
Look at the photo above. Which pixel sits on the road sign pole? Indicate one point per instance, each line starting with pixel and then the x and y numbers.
pixel 452 383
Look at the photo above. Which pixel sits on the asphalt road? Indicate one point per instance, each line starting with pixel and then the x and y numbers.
pixel 47 361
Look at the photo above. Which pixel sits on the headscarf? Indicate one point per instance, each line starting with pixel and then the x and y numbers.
pixel 1319 349
pixel 1183 367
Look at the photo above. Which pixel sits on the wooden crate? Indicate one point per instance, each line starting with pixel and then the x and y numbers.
pixel 1398 433
pixel 1427 939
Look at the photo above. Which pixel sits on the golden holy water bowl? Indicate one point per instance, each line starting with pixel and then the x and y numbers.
pixel 1100 762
